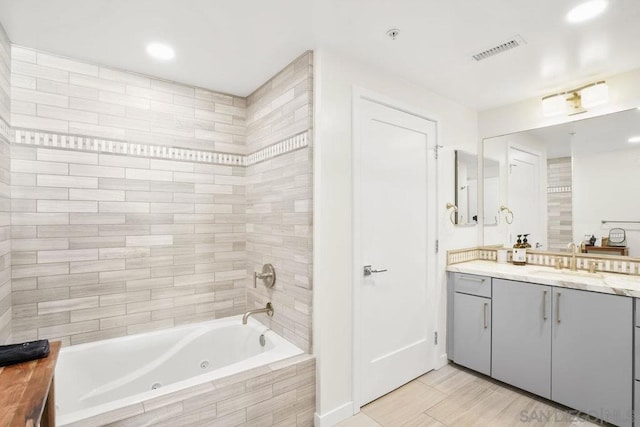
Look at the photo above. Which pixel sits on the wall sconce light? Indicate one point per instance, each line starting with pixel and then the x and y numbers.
pixel 576 100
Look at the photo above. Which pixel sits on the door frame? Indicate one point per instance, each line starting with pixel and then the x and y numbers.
pixel 360 94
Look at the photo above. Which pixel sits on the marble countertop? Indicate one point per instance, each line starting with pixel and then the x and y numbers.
pixel 608 283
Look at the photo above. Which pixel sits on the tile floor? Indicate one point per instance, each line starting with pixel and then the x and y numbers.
pixel 454 396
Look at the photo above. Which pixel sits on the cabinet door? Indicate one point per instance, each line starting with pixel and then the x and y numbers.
pixel 472 332
pixel 521 342
pixel 592 341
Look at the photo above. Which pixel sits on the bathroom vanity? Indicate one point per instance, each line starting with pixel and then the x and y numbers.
pixel 562 335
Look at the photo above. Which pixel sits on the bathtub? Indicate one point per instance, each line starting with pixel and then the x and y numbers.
pixel 102 377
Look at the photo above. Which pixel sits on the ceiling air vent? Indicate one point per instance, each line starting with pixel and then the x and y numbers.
pixel 502 47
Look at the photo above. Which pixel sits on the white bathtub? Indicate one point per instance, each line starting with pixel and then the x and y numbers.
pixel 99 377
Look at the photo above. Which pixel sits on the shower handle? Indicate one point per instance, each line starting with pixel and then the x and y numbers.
pixel 268 276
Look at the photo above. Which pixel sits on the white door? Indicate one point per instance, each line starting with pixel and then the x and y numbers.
pixel 396 226
pixel 524 196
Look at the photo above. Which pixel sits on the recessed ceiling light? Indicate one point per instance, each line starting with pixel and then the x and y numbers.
pixel 160 51
pixel 586 11
pixel 634 139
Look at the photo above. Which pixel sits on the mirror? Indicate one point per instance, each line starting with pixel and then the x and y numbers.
pixel 466 186
pixel 566 183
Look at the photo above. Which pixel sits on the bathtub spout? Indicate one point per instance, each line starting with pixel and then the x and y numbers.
pixel 268 309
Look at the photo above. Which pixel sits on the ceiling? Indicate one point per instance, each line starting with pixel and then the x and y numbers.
pixel 234 46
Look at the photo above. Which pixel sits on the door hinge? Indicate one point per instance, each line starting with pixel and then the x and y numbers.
pixel 437 245
pixel 435 150
pixel 435 338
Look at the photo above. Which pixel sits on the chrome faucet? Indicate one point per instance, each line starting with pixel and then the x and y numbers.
pixel 572 263
pixel 268 309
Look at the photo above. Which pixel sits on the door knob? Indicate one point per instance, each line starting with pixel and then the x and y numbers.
pixel 368 271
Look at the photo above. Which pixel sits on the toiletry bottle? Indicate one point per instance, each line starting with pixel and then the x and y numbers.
pixel 525 243
pixel 519 252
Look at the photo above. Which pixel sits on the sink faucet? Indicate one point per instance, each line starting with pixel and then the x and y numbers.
pixel 268 309
pixel 574 249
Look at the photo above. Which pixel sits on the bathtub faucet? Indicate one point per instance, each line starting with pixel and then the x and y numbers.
pixel 268 309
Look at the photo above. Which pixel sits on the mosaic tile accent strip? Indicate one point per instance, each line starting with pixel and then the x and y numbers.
pixel 92 144
pixel 283 147
pixel 604 263
pixel 559 189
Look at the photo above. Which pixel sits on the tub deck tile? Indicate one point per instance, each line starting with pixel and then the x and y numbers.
pixel 281 407
pixel 242 376
pixel 237 418
pixel 295 360
pixel 244 400
pixel 271 377
pixel 221 393
pixel 111 416
pixel 178 396
pixel 150 418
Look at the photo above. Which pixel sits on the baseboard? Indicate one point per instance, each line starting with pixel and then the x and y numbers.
pixel 442 361
pixel 334 416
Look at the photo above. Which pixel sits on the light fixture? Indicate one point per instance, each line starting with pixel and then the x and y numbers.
pixel 595 94
pixel 160 51
pixel 575 101
pixel 634 139
pixel 586 11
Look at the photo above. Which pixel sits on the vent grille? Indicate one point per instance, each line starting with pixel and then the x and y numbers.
pixel 502 47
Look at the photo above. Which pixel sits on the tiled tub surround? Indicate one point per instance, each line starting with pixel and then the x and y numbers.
pixel 608 283
pixel 111 380
pixel 107 245
pixel 5 187
pixel 139 221
pixel 279 201
pixel 67 96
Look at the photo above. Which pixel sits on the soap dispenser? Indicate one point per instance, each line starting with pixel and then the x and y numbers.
pixel 525 243
pixel 519 252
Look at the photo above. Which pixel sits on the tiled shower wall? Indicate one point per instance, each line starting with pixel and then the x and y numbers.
pixel 5 190
pixel 67 96
pixel 559 203
pixel 279 200
pixel 109 244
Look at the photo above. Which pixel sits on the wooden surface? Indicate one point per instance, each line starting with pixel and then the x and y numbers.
pixel 24 391
pixel 618 250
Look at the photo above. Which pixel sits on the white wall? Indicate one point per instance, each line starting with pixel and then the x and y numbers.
pixel 617 187
pixel 457 129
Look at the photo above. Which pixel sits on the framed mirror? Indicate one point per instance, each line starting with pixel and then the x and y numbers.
pixel 466 186
pixel 566 183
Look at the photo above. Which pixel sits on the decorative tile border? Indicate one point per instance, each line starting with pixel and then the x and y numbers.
pixel 559 189
pixel 604 263
pixel 88 143
pixel 286 146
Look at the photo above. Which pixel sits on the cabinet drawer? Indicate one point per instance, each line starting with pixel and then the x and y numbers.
pixel 472 284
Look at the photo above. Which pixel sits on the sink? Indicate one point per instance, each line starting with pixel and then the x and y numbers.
pixel 580 274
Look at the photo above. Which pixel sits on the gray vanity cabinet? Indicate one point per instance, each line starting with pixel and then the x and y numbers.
pixel 521 345
pixel 472 322
pixel 592 357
